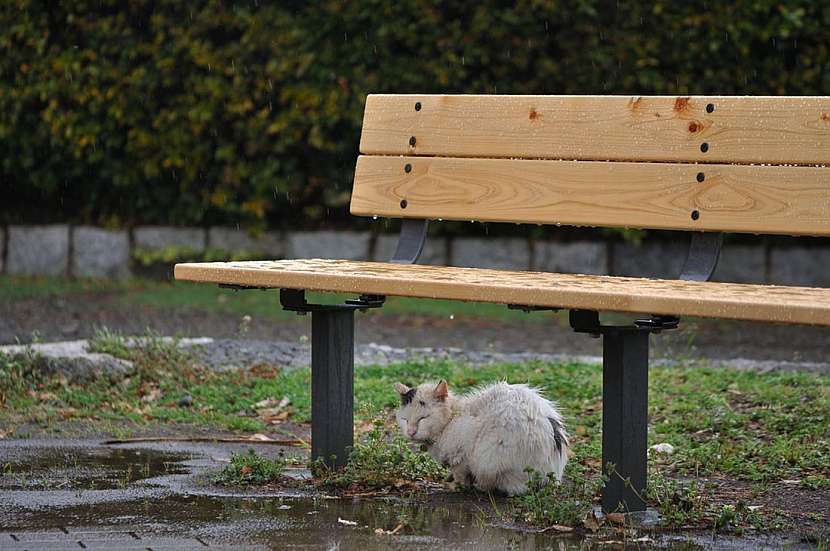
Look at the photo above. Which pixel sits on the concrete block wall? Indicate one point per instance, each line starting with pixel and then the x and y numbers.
pixel 38 250
pixel 83 251
pixel 98 252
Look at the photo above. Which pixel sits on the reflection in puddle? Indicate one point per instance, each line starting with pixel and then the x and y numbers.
pixel 87 468
pixel 189 509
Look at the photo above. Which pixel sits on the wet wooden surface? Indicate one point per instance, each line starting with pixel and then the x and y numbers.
pixel 677 196
pixel 621 294
pixel 734 129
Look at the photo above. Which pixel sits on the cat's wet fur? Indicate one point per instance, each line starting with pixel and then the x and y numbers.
pixel 489 436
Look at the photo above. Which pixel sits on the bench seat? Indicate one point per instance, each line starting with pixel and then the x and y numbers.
pixel 804 305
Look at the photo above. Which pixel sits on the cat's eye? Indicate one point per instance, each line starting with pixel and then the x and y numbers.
pixel 422 403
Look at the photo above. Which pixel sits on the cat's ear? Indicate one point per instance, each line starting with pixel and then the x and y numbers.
pixel 407 394
pixel 441 391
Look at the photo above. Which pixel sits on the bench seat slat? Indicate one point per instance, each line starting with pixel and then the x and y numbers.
pixel 732 198
pixel 739 129
pixel 645 296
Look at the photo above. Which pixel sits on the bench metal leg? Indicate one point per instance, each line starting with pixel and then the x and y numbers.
pixel 625 417
pixel 332 385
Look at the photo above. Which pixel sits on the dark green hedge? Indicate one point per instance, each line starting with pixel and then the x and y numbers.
pixel 120 112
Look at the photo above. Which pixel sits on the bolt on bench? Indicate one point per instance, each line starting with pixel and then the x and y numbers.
pixel 705 165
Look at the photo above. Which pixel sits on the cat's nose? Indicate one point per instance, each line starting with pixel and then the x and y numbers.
pixel 412 430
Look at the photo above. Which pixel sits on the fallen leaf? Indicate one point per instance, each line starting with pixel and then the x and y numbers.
pixel 591 521
pixel 265 370
pixel 152 396
pixel 276 414
pixel 382 532
pixel 266 403
pixel 246 469
pixel 663 448
pixel 67 413
pixel 346 522
pixel 559 528
pixel 616 518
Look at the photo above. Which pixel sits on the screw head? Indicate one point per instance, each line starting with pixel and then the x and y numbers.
pixel 695 214
pixel 403 203
pixel 710 107
pixel 700 176
pixel 407 168
pixel 412 141
pixel 417 106
pixel 704 147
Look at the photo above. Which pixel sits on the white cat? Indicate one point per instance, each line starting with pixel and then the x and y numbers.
pixel 489 436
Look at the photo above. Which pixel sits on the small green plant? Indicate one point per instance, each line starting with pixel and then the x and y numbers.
pixel 19 373
pixel 251 469
pixel 548 503
pixel 383 461
pixel 105 341
pixel 679 504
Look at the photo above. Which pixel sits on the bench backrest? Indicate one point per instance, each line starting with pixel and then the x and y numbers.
pixel 708 163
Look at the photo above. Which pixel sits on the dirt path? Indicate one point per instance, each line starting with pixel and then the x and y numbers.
pixel 75 317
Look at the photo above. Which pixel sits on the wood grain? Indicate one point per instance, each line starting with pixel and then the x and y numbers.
pixel 735 198
pixel 623 294
pixel 788 130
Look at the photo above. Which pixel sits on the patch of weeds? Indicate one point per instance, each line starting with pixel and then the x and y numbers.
pixel 19 374
pixel 383 462
pixel 679 504
pixel 105 341
pixel 815 482
pixel 549 503
pixel 736 517
pixel 251 469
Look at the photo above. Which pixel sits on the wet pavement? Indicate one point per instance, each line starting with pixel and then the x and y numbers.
pixel 79 494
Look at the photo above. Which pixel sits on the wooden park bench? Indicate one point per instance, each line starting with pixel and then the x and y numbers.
pixel 703 165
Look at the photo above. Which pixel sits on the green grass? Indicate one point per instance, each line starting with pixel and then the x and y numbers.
pixel 743 425
pixel 547 503
pixel 211 298
pixel 759 427
pixel 383 461
pixel 251 469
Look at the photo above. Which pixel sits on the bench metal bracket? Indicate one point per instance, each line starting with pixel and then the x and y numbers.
pixel 700 264
pixel 702 259
pixel 411 241
pixel 294 300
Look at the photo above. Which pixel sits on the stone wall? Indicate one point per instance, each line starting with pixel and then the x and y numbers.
pixel 82 251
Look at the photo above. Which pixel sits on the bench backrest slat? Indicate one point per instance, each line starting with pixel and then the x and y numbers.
pixel 699 163
pixel 735 198
pixel 777 130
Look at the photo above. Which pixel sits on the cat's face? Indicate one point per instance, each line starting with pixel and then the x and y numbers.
pixel 424 411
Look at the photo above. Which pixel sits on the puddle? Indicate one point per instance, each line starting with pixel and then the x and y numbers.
pixel 42 468
pixel 52 494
